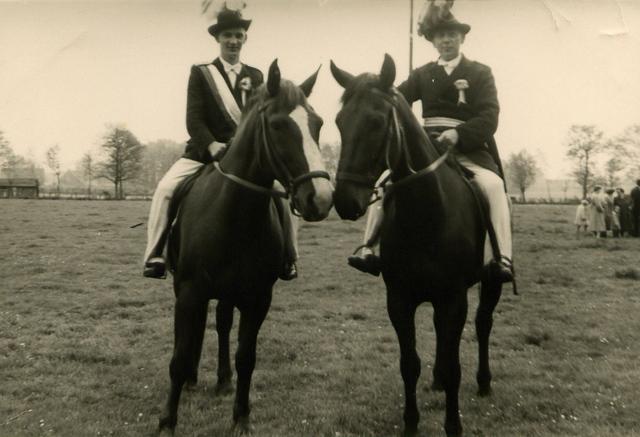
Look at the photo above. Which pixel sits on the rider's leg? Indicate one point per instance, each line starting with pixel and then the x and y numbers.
pixel 157 224
pixel 365 258
pixel 290 230
pixel 492 187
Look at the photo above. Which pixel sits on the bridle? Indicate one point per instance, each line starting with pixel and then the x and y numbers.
pixel 394 141
pixel 277 165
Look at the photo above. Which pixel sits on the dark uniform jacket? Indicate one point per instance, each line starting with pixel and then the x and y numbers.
pixel 431 84
pixel 206 120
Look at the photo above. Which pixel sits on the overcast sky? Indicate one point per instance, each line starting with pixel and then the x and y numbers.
pixel 69 68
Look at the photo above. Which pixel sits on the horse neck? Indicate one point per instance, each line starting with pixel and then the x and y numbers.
pixel 243 157
pixel 417 151
pixel 426 195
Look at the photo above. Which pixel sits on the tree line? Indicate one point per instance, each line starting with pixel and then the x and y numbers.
pixel 123 159
pixel 595 159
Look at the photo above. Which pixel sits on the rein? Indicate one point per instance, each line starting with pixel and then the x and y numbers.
pixel 278 167
pixel 401 145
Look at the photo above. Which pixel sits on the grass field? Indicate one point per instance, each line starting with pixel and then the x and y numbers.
pixel 85 341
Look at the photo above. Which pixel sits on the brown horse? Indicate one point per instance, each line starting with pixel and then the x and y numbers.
pixel 227 243
pixel 432 237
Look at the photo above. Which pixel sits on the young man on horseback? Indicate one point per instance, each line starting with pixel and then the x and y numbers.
pixel 216 94
pixel 460 110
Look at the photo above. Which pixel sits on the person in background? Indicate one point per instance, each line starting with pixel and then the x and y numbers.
pixel 635 209
pixel 596 215
pixel 608 208
pixel 581 221
pixel 622 201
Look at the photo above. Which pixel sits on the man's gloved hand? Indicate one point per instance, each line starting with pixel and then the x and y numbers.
pixel 448 138
pixel 217 150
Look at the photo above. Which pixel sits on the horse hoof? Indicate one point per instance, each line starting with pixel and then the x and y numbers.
pixel 191 384
pixel 410 432
pixel 166 427
pixel 242 426
pixel 454 431
pixel 437 385
pixel 484 391
pixel 223 388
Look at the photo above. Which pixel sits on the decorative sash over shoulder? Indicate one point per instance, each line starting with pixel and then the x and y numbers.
pixel 222 94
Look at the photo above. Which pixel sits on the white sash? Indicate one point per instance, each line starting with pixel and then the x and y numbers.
pixel 228 100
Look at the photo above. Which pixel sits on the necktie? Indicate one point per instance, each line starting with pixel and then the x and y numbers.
pixel 233 72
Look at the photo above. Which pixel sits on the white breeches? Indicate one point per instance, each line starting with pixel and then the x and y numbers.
pixel 158 218
pixel 492 187
pixel 158 213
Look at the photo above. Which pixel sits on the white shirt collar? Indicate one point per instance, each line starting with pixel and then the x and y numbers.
pixel 228 67
pixel 451 65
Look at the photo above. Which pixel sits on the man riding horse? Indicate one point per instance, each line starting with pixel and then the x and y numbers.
pixel 216 95
pixel 460 110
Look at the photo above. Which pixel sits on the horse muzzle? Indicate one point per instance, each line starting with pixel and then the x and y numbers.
pixel 351 200
pixel 314 199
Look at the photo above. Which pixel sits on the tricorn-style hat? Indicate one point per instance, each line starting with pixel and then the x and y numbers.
pixel 436 15
pixel 229 18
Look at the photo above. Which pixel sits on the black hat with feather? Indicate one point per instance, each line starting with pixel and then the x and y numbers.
pixel 436 15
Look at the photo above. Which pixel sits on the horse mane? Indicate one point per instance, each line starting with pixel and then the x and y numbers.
pixel 362 86
pixel 289 96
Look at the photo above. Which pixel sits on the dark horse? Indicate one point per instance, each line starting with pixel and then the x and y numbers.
pixel 432 237
pixel 227 243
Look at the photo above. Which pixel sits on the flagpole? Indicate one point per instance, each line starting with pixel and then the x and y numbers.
pixel 411 37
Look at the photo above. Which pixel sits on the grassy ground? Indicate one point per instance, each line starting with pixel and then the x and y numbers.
pixel 85 341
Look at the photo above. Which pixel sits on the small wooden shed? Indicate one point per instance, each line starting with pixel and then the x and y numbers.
pixel 19 188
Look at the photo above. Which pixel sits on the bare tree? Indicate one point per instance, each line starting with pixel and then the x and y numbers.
pixel 584 142
pixel 329 154
pixel 123 158
pixel 53 162
pixel 158 156
pixel 522 170
pixel 88 170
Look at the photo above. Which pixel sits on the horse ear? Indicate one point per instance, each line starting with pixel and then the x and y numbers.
pixel 307 85
pixel 273 80
pixel 387 73
pixel 342 77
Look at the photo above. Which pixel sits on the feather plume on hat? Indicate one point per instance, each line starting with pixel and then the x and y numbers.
pixel 227 14
pixel 212 8
pixel 436 15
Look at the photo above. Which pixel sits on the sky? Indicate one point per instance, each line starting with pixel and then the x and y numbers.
pixel 69 68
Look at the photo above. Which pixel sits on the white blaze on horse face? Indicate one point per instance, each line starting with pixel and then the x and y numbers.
pixel 311 152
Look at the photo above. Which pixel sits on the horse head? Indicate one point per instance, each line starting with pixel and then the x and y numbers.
pixel 288 143
pixel 367 129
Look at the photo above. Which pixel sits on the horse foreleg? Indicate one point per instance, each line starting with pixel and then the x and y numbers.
pixel 437 384
pixel 224 322
pixel 450 317
pixel 186 325
pixel 250 321
pixel 402 316
pixel 199 324
pixel 489 296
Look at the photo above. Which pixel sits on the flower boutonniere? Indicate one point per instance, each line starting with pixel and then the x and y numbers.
pixel 461 85
pixel 245 87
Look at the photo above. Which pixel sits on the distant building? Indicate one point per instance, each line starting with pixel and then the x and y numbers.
pixel 19 188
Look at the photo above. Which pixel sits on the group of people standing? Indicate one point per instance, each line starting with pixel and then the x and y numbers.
pixel 610 210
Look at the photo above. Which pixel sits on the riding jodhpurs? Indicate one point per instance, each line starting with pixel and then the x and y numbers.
pixel 492 188
pixel 158 213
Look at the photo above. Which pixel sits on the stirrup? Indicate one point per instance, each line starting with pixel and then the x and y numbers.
pixel 369 263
